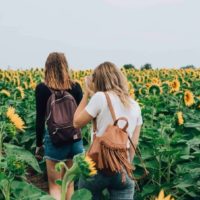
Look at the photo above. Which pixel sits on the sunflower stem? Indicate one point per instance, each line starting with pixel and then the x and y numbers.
pixel 159 170
pixel 64 186
pixel 65 181
pixel 1 139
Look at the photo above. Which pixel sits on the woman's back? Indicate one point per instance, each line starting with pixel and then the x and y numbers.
pixel 98 107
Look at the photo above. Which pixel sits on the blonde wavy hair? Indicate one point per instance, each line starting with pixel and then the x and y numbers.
pixel 107 77
pixel 57 72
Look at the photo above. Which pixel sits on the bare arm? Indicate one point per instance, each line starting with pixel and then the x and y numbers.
pixel 135 139
pixel 81 117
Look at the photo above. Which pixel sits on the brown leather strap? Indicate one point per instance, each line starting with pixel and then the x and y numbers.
pixel 110 106
pixel 124 119
pixel 141 160
pixel 111 111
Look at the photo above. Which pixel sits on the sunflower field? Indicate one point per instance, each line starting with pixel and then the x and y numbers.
pixel 169 141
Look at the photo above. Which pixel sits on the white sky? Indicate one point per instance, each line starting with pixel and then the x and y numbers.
pixel 164 33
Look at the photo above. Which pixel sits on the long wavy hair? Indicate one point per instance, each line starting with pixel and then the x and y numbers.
pixel 107 77
pixel 57 72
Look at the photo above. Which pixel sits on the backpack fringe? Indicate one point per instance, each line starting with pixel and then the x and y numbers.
pixel 114 159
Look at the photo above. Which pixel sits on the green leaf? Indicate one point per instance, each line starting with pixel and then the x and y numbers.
pixel 58 182
pixel 148 190
pixel 25 191
pixel 46 197
pixel 22 154
pixel 82 194
pixel 192 125
pixel 186 157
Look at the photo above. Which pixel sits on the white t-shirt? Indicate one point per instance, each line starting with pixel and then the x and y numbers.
pixel 98 107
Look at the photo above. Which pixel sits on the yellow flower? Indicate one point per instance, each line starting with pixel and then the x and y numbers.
pixel 15 118
pixel 21 90
pixel 10 112
pixel 156 81
pixel 161 196
pixel 188 98
pixel 91 165
pixel 18 81
pixel 148 85
pixel 33 85
pixel 132 93
pixel 175 86
pixel 6 92
pixel 180 118
pixel 138 78
pixel 25 85
pixel 130 86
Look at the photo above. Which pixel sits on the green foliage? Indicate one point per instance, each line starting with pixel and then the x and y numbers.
pixel 129 66
pixel 23 155
pixel 171 151
pixel 82 194
pixel 147 66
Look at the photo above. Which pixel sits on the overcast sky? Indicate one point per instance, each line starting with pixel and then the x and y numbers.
pixel 164 33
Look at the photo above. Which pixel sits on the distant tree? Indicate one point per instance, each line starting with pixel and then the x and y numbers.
pixel 188 67
pixel 146 66
pixel 129 66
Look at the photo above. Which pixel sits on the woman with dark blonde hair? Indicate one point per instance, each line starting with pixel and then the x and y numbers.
pixel 108 78
pixel 56 78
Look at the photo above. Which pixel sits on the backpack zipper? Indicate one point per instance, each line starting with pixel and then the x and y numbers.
pixel 60 128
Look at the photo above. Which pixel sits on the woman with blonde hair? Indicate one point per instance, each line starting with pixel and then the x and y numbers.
pixel 108 78
pixel 56 79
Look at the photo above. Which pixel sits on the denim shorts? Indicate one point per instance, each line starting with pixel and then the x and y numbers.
pixel 62 153
pixel 117 189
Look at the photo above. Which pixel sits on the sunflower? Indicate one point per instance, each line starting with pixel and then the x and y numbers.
pixel 82 165
pixel 175 85
pixel 91 165
pixel 15 118
pixel 25 85
pixel 18 81
pixel 138 79
pixel 132 93
pixel 148 85
pixel 86 165
pixel 161 196
pixel 10 112
pixel 188 98
pixel 180 118
pixel 130 85
pixel 6 92
pixel 155 89
pixel 21 90
pixel 32 85
pixel 156 81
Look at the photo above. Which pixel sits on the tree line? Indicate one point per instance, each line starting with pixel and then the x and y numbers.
pixel 148 66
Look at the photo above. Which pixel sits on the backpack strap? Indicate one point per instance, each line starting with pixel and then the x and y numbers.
pixel 111 111
pixel 112 114
pixel 110 106
pixel 137 152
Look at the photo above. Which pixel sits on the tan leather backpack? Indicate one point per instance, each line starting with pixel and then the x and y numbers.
pixel 109 151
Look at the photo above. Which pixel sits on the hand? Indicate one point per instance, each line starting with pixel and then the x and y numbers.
pixel 39 152
pixel 89 85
